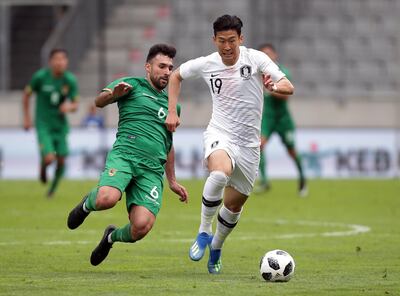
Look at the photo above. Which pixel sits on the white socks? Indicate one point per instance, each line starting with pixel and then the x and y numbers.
pixel 212 198
pixel 227 220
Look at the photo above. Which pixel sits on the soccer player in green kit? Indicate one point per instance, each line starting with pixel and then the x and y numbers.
pixel 277 118
pixel 56 94
pixel 142 151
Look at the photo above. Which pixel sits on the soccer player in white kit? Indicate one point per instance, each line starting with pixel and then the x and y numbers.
pixel 235 76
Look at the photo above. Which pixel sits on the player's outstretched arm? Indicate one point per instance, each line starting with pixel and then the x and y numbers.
pixel 108 96
pixel 170 172
pixel 283 86
pixel 174 89
pixel 26 108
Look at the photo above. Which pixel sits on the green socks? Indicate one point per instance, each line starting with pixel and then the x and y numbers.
pixel 90 203
pixel 122 234
pixel 59 173
pixel 299 166
pixel 263 169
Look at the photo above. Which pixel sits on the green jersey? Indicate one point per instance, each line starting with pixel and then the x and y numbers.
pixel 141 127
pixel 50 92
pixel 274 106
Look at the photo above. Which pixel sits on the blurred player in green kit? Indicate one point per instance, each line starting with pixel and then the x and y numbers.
pixel 277 118
pixel 56 92
pixel 143 150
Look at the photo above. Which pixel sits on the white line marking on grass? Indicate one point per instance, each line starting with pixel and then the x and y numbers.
pixel 48 243
pixel 355 229
pixel 52 243
pixel 64 242
pixel 352 229
pixel 11 243
pixel 41 230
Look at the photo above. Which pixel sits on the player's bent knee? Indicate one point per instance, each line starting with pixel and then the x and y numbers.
pixel 104 202
pixel 234 208
pixel 233 205
pixel 139 231
pixel 107 198
pixel 60 161
pixel 141 227
pixel 49 158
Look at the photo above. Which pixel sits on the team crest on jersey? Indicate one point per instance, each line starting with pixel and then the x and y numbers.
pixel 112 172
pixel 245 72
pixel 65 89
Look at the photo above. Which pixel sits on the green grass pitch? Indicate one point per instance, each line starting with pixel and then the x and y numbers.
pixel 344 237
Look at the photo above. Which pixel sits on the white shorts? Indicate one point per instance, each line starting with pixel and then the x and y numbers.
pixel 245 160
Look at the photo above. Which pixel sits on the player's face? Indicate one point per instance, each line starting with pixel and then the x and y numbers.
pixel 270 52
pixel 227 43
pixel 158 71
pixel 59 62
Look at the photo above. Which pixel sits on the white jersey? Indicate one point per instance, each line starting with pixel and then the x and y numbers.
pixel 237 92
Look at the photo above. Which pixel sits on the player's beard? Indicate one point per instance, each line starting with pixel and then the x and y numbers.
pixel 159 82
pixel 58 71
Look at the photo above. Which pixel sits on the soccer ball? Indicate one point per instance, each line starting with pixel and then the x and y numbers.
pixel 277 266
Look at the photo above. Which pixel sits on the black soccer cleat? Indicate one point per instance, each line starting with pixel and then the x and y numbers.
pixel 103 248
pixel 50 194
pixel 77 215
pixel 303 190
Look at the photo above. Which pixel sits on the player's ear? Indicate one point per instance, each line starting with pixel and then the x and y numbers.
pixel 147 67
pixel 241 38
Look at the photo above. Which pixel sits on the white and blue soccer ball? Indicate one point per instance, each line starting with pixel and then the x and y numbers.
pixel 277 266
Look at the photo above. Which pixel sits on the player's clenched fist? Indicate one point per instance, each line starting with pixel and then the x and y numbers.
pixel 172 121
pixel 268 83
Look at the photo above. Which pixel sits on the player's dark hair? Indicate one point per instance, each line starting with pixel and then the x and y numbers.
pixel 57 50
pixel 165 49
pixel 268 45
pixel 228 22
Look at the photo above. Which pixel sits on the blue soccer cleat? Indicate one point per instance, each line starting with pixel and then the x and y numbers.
pixel 214 262
pixel 196 251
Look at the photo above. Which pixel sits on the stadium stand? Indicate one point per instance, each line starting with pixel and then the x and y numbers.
pixel 360 36
pixel 338 50
pixel 31 25
pixel 131 29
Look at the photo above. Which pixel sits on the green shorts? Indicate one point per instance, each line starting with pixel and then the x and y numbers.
pixel 139 178
pixel 52 142
pixel 283 125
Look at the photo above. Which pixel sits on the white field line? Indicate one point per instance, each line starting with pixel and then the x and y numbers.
pixel 352 229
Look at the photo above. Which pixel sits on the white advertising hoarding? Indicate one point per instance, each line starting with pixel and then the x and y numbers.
pixel 326 153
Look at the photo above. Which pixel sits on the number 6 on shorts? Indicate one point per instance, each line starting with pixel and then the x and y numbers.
pixel 154 192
